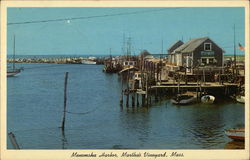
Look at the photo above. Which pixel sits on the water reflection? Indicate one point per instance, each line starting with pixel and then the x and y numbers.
pixel 134 123
pixel 205 126
pixel 64 140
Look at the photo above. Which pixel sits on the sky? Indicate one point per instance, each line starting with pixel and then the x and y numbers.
pixel 147 28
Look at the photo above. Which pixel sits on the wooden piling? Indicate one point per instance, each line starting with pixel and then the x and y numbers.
pixel 65 100
pixel 13 140
pixel 127 99
pixel 137 100
pixel 156 95
pixel 143 99
pixel 133 100
pixel 121 99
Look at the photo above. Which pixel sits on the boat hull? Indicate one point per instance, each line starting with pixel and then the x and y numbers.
pixel 88 62
pixel 236 134
pixel 207 99
pixel 183 101
pixel 13 73
pixel 240 99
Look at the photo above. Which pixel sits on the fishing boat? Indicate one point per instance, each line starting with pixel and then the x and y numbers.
pixel 14 71
pixel 240 99
pixel 183 99
pixel 237 134
pixel 85 61
pixel 207 99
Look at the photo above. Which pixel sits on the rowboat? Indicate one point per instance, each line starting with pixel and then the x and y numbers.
pixel 207 99
pixel 183 99
pixel 237 134
pixel 240 99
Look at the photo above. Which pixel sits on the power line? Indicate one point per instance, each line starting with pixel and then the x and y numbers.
pixel 90 17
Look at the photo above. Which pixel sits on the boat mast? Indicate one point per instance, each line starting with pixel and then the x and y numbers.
pixel 161 58
pixel 234 53
pixel 129 48
pixel 14 58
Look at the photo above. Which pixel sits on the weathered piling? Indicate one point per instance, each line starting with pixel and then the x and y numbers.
pixel 65 100
pixel 133 100
pixel 121 99
pixel 13 140
pixel 137 100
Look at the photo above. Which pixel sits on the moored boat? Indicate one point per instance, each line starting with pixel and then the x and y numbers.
pixel 240 99
pixel 13 72
pixel 237 134
pixel 183 99
pixel 207 99
pixel 88 62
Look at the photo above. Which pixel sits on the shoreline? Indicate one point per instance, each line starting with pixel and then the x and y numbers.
pixel 54 60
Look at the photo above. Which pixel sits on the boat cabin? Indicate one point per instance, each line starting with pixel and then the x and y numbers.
pixel 129 63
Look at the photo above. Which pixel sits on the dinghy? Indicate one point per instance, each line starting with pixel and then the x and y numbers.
pixel 207 99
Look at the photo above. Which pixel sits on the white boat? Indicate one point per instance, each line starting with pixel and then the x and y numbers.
pixel 207 99
pixel 13 73
pixel 92 58
pixel 88 62
pixel 240 99
pixel 183 99
pixel 237 134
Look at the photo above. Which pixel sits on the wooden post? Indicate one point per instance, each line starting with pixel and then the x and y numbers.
pixel 143 99
pixel 156 95
pixel 65 100
pixel 121 99
pixel 13 140
pixel 137 100
pixel 146 89
pixel 133 100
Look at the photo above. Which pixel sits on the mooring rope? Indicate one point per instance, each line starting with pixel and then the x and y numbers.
pixel 82 113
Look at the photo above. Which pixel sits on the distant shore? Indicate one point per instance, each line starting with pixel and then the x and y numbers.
pixel 54 60
pixel 78 60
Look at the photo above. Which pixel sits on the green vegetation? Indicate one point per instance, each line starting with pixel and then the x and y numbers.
pixel 238 57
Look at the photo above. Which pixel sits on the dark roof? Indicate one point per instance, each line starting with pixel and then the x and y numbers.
pixel 191 45
pixel 175 45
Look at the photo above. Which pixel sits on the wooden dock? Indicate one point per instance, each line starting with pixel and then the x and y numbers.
pixel 193 85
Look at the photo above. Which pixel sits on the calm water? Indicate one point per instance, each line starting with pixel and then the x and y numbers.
pixel 35 108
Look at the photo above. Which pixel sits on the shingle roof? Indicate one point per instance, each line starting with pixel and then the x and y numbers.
pixel 191 45
pixel 175 45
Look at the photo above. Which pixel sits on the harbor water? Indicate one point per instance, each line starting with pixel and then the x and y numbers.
pixel 95 120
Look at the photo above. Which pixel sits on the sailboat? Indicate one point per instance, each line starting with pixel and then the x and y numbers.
pixel 14 71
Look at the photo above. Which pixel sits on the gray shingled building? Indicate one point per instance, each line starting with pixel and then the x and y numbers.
pixel 199 52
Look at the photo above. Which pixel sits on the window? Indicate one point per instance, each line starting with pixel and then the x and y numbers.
pixel 207 46
pixel 208 61
pixel 204 61
pixel 211 61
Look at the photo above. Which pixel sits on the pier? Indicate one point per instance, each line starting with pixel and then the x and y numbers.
pixel 178 72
